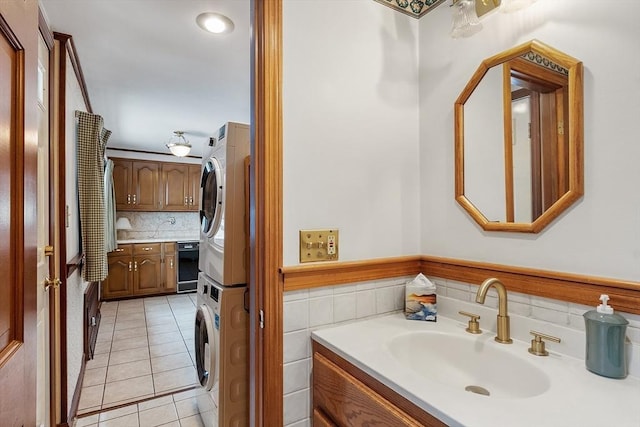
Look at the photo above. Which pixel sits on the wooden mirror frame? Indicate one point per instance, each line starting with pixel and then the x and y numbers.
pixel 575 137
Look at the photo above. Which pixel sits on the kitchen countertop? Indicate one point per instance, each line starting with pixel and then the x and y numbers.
pixel 575 397
pixel 159 240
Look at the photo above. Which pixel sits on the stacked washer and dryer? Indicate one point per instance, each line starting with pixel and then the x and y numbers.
pixel 221 324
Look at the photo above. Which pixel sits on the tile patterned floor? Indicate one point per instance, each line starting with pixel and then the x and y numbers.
pixel 176 410
pixel 144 349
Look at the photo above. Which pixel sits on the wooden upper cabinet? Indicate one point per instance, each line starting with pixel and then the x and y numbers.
pixel 194 186
pixel 136 185
pixel 142 185
pixel 146 178
pixel 175 187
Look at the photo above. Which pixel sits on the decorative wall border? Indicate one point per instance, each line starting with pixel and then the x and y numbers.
pixel 413 8
pixel 580 289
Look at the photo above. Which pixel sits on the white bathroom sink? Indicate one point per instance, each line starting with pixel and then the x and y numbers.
pixel 475 364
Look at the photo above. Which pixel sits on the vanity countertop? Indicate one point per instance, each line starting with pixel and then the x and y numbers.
pixel 159 240
pixel 575 396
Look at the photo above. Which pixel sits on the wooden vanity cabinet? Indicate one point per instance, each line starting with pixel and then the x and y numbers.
pixel 343 395
pixel 141 269
pixel 136 184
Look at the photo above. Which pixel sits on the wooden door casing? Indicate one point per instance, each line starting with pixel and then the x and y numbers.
pixel 18 207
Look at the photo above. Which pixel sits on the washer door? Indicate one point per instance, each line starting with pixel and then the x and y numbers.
pixel 211 193
pixel 206 348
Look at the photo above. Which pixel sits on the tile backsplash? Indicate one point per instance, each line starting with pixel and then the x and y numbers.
pixel 310 309
pixel 151 225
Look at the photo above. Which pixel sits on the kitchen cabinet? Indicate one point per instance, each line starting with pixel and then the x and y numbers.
pixel 180 185
pixel 345 395
pixel 136 184
pixel 141 269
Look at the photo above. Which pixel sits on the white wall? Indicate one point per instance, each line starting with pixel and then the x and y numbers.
pixel 350 136
pixel 600 234
pixel 75 284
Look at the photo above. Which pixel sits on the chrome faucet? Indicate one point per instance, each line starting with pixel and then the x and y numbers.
pixel 504 336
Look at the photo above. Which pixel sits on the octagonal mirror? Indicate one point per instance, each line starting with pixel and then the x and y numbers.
pixel 519 139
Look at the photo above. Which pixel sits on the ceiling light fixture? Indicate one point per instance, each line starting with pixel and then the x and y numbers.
pixel 214 23
pixel 178 145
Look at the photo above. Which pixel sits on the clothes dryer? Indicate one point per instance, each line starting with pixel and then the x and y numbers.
pixel 221 346
pixel 223 200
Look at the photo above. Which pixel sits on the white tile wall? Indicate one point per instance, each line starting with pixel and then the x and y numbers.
pixel 147 225
pixel 307 310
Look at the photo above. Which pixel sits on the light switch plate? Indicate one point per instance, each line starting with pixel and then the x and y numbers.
pixel 319 245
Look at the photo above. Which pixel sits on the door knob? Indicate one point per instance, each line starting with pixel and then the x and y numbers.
pixel 51 283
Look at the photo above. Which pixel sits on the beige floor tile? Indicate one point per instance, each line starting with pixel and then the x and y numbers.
pixel 174 380
pixel 160 319
pixel 128 389
pixel 154 403
pixel 126 421
pixel 131 355
pixel 130 316
pixel 187 407
pixel 129 343
pixel 91 396
pixel 171 362
pixel 94 376
pixel 193 421
pixel 129 324
pixel 167 348
pixel 158 416
pixel 186 318
pixel 124 371
pixel 155 300
pixel 102 347
pixel 140 331
pixel 165 338
pixel 86 421
pixel 188 394
pixel 117 413
pixel 81 412
pixel 171 424
pixel 163 328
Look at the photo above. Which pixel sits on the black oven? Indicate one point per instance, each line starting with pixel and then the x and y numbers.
pixel 188 266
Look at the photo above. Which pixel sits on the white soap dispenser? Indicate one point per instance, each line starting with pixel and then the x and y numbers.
pixel 605 352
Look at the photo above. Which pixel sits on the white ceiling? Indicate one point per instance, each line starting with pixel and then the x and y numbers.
pixel 150 70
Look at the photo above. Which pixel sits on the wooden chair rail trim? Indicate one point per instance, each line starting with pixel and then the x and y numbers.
pixel 576 288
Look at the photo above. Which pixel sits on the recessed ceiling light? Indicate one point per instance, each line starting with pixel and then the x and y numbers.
pixel 214 23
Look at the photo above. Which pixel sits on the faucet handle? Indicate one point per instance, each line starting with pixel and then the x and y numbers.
pixel 537 345
pixel 474 326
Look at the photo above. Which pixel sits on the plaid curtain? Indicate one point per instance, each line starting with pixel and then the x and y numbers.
pixel 92 140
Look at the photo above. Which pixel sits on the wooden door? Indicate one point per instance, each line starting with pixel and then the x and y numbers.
pixel 122 175
pixel 147 270
pixel 175 186
pixel 170 271
pixel 194 187
pixel 145 189
pixel 119 282
pixel 18 207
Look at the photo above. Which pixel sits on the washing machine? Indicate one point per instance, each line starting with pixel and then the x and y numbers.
pixel 221 345
pixel 223 206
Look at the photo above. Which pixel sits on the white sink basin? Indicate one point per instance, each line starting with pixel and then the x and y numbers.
pixel 469 364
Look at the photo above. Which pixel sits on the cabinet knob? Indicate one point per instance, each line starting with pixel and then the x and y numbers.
pixel 146 248
pixel 171 263
pixel 118 250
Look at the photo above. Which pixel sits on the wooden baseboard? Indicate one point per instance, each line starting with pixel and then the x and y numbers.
pixel 580 289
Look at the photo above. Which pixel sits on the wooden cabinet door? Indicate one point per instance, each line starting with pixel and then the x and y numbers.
pixel 170 273
pixel 175 186
pixel 122 174
pixel 194 187
pixel 145 180
pixel 148 274
pixel 119 282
